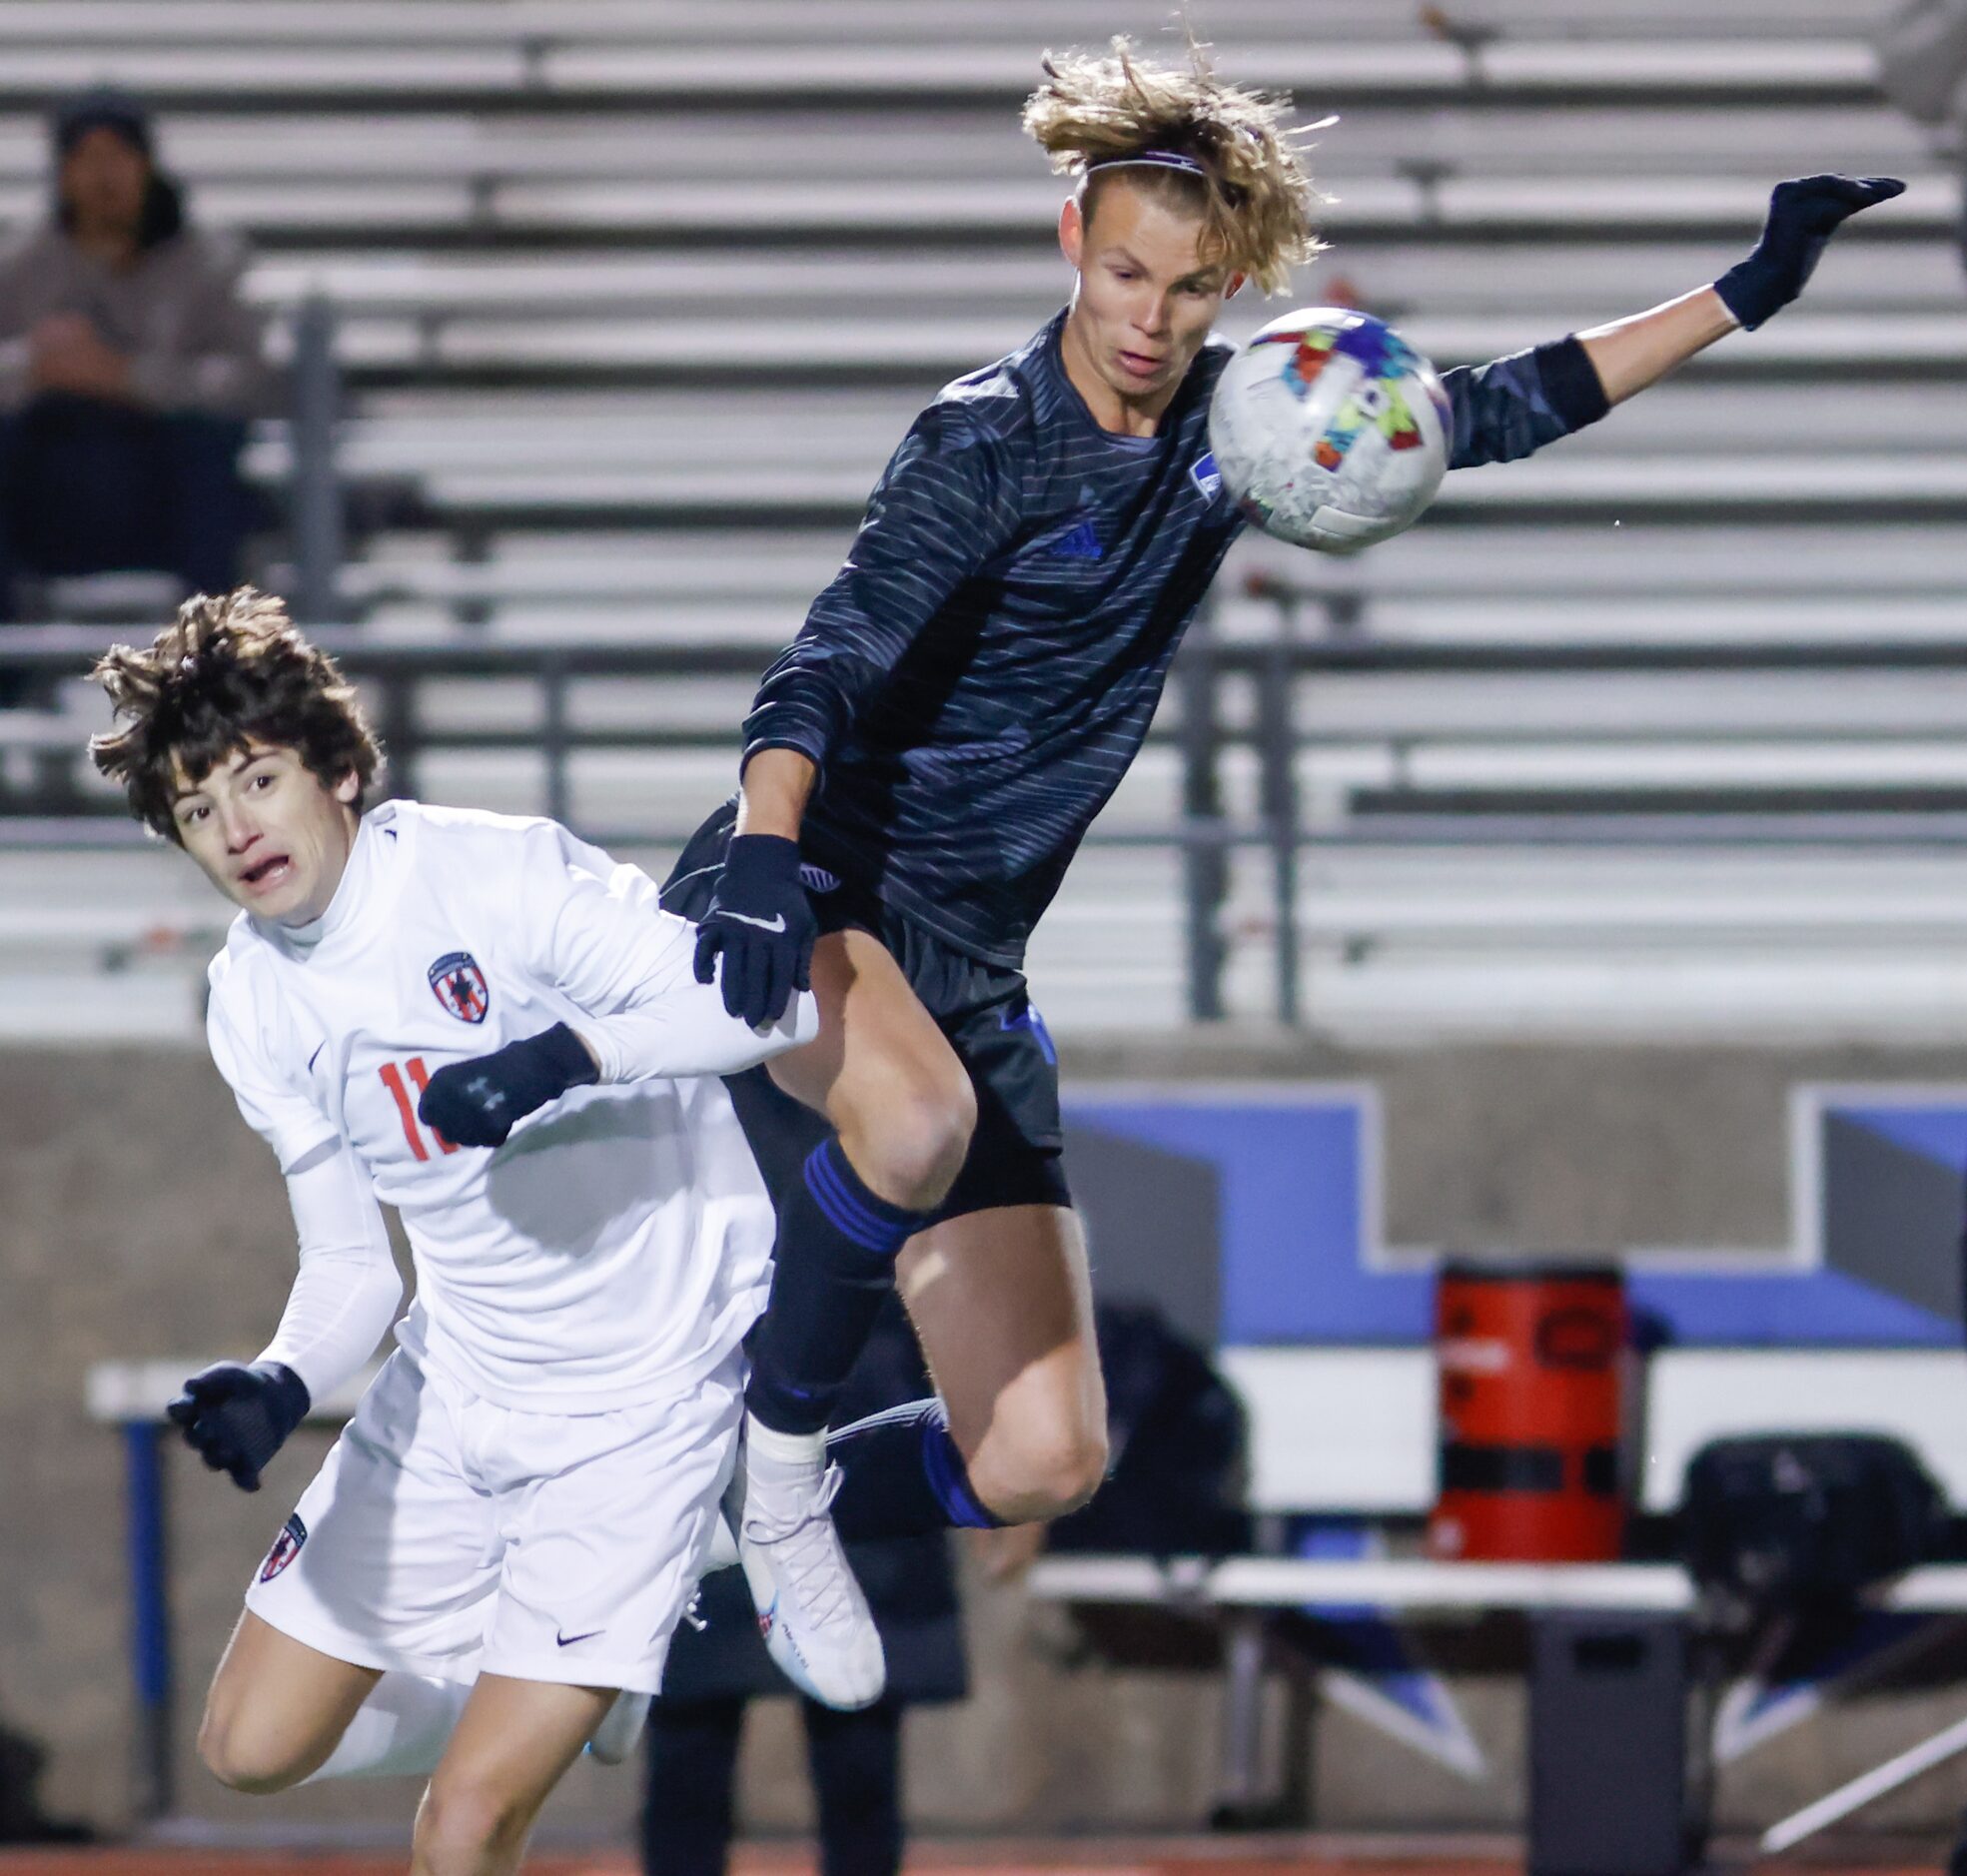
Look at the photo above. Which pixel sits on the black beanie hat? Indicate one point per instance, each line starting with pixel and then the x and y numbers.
pixel 103 108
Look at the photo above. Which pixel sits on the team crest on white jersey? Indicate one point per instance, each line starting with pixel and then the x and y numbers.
pixel 459 984
pixel 286 1547
pixel 1208 479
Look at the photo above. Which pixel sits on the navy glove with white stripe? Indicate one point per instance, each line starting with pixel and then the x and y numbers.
pixel 762 925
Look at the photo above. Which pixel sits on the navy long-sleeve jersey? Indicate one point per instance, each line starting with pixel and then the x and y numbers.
pixel 975 680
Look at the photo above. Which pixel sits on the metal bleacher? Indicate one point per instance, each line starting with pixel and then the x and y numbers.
pixel 632 297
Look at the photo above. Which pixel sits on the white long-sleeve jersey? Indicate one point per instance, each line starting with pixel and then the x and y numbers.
pixel 620 1242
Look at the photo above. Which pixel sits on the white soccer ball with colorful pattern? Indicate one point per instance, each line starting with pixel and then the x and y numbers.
pixel 1329 429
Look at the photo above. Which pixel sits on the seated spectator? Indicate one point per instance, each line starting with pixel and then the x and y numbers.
pixel 129 366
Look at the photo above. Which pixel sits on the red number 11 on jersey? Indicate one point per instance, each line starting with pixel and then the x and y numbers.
pixel 399 1094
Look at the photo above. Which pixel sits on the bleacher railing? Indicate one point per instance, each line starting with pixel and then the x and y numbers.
pixel 315 496
pixel 1226 695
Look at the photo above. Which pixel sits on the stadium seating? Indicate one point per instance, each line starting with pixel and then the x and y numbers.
pixel 633 297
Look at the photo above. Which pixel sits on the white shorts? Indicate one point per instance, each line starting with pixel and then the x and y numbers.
pixel 451 1536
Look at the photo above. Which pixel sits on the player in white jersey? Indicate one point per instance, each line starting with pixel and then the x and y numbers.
pixel 491 1564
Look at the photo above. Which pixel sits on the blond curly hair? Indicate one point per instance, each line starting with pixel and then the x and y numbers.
pixel 1253 194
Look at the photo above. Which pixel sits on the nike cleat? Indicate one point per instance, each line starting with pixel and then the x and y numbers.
pixel 812 1612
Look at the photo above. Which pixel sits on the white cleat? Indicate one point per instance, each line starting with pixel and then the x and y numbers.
pixel 811 1611
pixel 621 1726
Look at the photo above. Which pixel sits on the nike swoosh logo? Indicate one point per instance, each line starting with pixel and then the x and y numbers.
pixel 567 1641
pixel 763 924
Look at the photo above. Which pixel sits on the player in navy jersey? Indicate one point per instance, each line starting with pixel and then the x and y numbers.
pixel 922 761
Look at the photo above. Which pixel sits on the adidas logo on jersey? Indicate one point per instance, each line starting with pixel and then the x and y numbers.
pixel 1079 544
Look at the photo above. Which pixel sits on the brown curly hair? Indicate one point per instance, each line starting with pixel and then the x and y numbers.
pixel 1254 197
pixel 227 673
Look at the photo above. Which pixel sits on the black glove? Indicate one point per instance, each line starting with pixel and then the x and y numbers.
pixel 1803 215
pixel 760 920
pixel 237 1418
pixel 478 1103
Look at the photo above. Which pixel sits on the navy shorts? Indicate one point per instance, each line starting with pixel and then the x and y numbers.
pixel 985 1011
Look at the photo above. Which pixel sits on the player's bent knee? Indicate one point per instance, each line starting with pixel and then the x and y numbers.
pixel 464 1818
pixel 1074 1472
pixel 237 1761
pixel 924 1147
pixel 910 1146
pixel 1041 1475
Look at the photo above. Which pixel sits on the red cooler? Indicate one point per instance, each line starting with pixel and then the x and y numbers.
pixel 1531 1366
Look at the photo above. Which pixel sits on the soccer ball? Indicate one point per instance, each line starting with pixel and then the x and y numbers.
pixel 1329 429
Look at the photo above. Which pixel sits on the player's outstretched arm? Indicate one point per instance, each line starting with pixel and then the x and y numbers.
pixel 237 1414
pixel 596 932
pixel 1631 354
pixel 945 505
pixel 478 1103
pixel 679 1029
pixel 1511 407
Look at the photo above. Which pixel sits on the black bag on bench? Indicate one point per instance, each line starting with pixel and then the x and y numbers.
pixel 1787 1521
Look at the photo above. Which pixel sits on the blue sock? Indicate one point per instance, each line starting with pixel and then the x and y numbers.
pixel 838 1243
pixel 903 1475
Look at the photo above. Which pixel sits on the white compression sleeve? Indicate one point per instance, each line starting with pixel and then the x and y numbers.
pixel 403 1727
pixel 688 1031
pixel 597 932
pixel 347 1292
